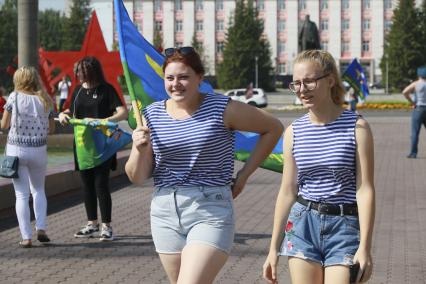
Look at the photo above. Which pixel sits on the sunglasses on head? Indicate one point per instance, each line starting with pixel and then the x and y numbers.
pixel 182 50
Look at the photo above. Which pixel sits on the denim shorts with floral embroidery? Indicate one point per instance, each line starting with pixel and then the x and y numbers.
pixel 326 239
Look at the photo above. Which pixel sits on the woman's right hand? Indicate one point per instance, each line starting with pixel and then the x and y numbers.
pixel 63 118
pixel 141 137
pixel 270 268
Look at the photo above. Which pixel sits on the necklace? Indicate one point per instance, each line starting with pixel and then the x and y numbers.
pixel 94 95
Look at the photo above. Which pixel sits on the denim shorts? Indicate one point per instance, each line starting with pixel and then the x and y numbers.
pixel 192 214
pixel 326 239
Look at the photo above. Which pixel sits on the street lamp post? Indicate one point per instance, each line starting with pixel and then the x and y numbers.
pixel 387 76
pixel 255 72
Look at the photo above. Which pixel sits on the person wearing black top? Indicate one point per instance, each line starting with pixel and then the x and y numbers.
pixel 94 98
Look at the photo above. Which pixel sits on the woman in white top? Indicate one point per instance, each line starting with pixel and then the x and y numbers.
pixel 28 113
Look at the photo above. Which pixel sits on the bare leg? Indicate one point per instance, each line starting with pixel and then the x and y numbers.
pixel 336 274
pixel 171 264
pixel 305 271
pixel 200 264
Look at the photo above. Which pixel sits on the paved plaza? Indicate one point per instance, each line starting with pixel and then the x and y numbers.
pixel 399 247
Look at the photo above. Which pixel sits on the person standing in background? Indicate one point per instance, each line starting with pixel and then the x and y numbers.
pixel 95 98
pixel 29 114
pixel 63 89
pixel 418 102
pixel 2 100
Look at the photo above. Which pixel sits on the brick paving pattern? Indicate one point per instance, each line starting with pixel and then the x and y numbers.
pixel 399 249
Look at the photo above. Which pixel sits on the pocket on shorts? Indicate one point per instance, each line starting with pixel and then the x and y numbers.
pixel 216 194
pixel 297 211
pixel 352 223
pixel 215 204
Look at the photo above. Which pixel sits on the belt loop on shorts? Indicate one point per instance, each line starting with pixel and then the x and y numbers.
pixel 309 206
pixel 341 209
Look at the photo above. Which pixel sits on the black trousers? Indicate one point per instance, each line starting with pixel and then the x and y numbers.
pixel 96 187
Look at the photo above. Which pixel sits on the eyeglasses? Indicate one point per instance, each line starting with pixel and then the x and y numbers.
pixel 185 50
pixel 309 84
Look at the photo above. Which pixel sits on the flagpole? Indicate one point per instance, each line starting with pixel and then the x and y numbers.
pixel 137 114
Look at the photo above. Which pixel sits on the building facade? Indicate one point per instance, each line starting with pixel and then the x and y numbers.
pixel 348 28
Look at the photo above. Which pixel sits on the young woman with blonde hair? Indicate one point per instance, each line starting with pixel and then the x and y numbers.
pixel 28 113
pixel 324 213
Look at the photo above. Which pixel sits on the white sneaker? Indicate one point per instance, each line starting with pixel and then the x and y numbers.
pixel 106 234
pixel 87 231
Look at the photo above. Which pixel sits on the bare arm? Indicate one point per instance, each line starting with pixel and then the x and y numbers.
pixel 120 114
pixel 408 91
pixel 365 195
pixel 239 116
pixel 5 121
pixel 140 164
pixel 285 200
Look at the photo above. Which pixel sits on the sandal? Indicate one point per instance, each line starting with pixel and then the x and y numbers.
pixel 25 244
pixel 42 237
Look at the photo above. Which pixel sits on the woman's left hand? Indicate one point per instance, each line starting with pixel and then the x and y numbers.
pixel 238 184
pixel 363 257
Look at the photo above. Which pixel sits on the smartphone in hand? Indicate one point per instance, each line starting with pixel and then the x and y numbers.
pixel 353 272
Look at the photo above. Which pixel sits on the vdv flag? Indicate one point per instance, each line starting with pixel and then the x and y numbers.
pixel 355 76
pixel 142 65
pixel 96 141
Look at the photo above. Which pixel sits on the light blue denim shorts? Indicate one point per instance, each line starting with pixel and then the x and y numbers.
pixel 326 239
pixel 192 214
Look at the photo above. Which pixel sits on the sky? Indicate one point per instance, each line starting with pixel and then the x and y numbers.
pixel 51 4
pixel 48 4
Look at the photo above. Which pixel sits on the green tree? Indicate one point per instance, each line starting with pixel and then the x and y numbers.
pixel 75 26
pixel 51 25
pixel 199 47
pixel 244 43
pixel 8 40
pixel 404 47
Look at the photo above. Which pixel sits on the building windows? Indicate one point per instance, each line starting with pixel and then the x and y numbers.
pixel 345 4
pixel 157 5
pixel 178 26
pixel 366 4
pixel 178 5
pixel 366 24
pixel 198 5
pixel 365 46
pixel 302 4
pixel 324 5
pixel 281 68
pixel 281 25
pixel 199 25
pixel 219 26
pixel 345 24
pixel 219 47
pixel 219 5
pixel 324 25
pixel 158 26
pixel 260 5
pixel 387 4
pixel 281 4
pixel 388 25
pixel 138 26
pixel 345 46
pixel 138 5
pixel 324 45
pixel 280 47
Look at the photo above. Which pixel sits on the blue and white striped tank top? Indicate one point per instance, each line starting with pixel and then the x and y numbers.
pixel 325 159
pixel 195 151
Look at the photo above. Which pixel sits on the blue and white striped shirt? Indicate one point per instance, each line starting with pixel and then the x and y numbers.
pixel 195 151
pixel 325 159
